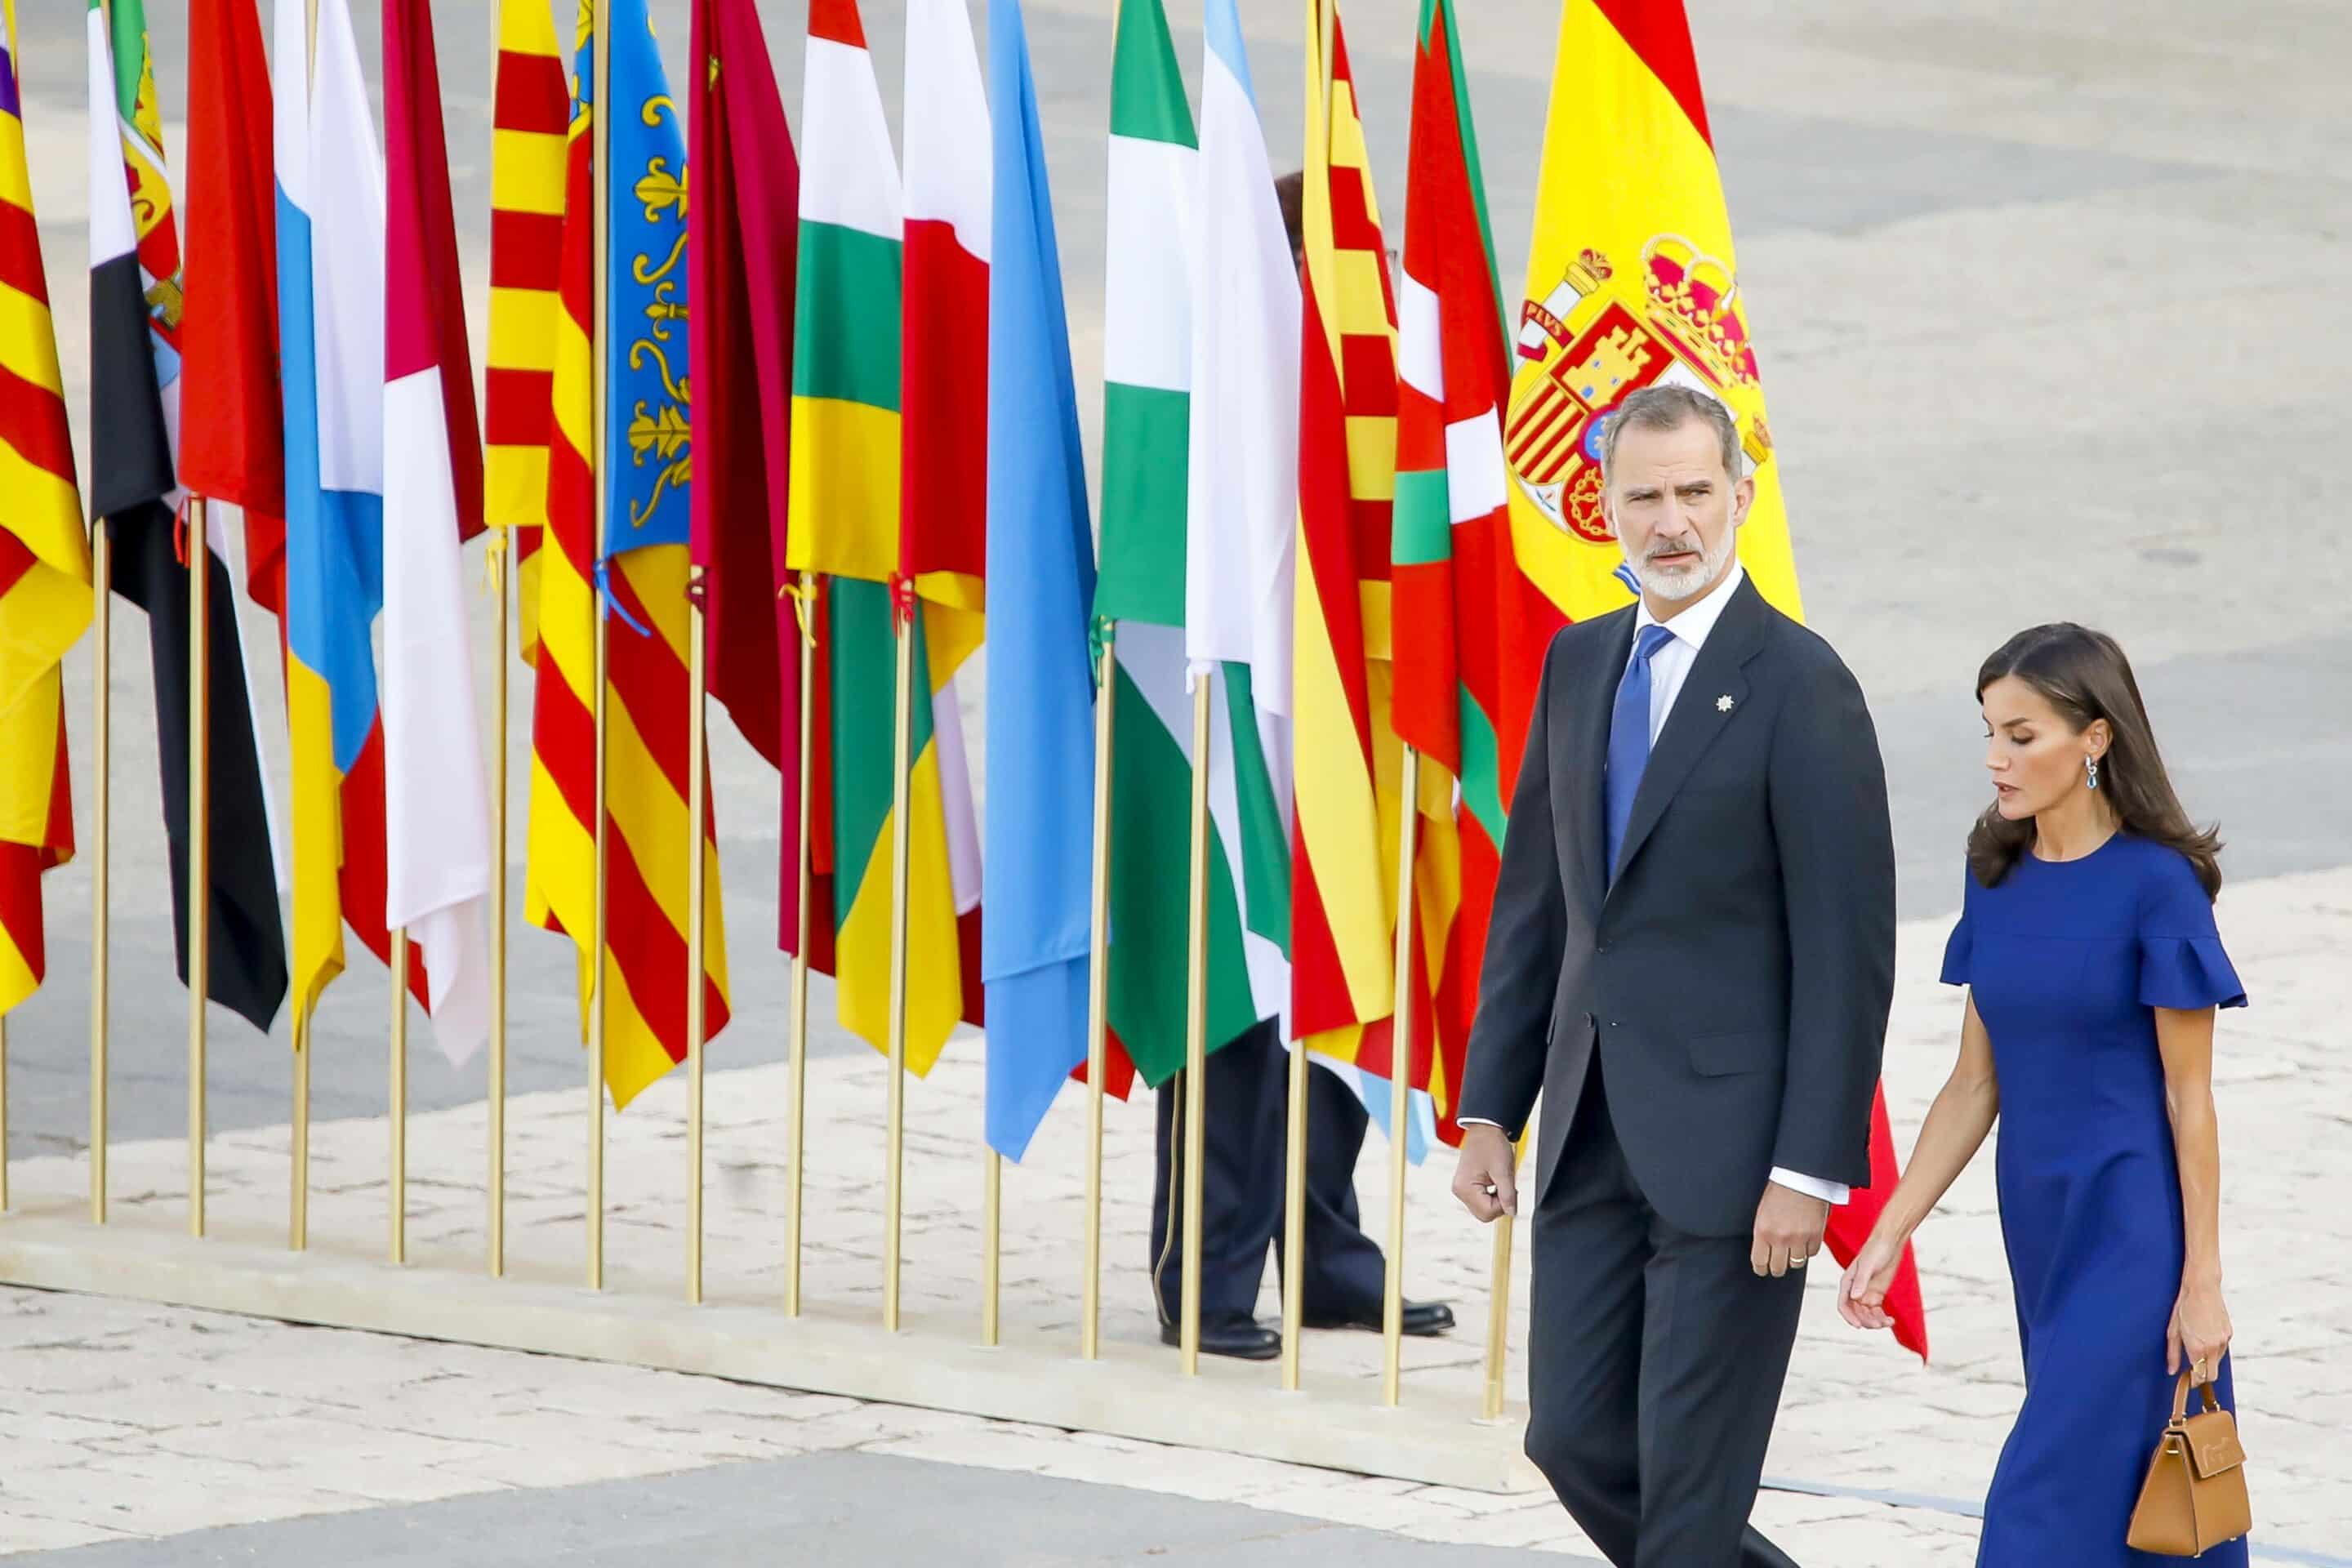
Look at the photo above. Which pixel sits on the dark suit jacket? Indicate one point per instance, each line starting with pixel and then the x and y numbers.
pixel 1737 977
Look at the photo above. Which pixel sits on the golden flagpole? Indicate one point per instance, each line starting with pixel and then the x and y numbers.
pixel 1401 1087
pixel 600 202
pixel 1293 1217
pixel 398 1180
pixel 1499 1320
pixel 199 899
pixel 991 1228
pixel 102 558
pixel 498 1088
pixel 797 1123
pixel 1294 1169
pixel 498 545
pixel 1196 1034
pixel 894 1196
pixel 298 1219
pixel 698 671
pixel 1098 993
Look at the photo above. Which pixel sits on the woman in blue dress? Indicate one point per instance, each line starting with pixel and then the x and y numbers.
pixel 2087 945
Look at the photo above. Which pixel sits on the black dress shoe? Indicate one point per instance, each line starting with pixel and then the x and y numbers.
pixel 1240 1337
pixel 1423 1320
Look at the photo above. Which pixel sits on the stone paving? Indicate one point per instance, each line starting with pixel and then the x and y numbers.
pixel 125 1419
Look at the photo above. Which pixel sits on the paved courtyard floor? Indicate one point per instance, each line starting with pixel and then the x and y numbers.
pixel 127 1421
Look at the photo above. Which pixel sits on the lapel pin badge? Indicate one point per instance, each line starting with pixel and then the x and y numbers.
pixel 1723 703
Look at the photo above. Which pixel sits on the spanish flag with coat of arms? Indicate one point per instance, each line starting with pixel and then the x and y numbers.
pixel 1632 283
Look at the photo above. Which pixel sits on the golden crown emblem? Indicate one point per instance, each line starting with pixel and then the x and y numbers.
pixel 1694 299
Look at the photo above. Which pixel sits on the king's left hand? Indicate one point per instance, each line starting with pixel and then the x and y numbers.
pixel 1789 1226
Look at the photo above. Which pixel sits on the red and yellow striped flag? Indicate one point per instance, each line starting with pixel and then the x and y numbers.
pixel 45 600
pixel 646 711
pixel 531 113
pixel 1349 775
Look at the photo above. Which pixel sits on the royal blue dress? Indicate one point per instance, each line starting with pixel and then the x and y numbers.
pixel 2066 960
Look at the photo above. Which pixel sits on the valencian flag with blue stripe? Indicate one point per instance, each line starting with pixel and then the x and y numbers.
pixel 45 599
pixel 636 574
pixel 146 346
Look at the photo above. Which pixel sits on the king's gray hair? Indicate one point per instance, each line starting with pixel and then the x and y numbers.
pixel 1670 407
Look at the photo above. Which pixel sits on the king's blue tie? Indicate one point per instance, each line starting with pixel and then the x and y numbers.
pixel 1629 740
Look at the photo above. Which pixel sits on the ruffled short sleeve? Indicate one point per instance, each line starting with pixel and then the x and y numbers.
pixel 1959 948
pixel 2182 963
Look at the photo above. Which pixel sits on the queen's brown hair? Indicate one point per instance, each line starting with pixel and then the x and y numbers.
pixel 2084 676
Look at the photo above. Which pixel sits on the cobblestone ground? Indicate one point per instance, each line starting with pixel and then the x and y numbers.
pixel 125 1419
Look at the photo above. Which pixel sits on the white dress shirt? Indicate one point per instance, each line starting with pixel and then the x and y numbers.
pixel 1669 668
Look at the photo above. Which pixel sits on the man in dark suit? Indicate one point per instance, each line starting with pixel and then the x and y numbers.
pixel 1692 959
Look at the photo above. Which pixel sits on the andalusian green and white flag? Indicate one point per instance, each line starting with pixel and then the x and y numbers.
pixel 1146 421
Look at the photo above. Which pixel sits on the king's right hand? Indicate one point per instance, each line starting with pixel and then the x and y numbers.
pixel 1483 1178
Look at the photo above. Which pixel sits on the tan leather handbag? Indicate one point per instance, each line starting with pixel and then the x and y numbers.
pixel 2195 1495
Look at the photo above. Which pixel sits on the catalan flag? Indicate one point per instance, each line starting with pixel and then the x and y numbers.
pixel 531 111
pixel 847 370
pixel 331 294
pixel 45 600
pixel 140 330
pixel 636 574
pixel 1632 283
pixel 1470 629
pixel 1349 810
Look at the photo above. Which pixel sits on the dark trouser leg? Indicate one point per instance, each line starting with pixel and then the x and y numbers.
pixel 1584 1348
pixel 1654 1366
pixel 1714 1351
pixel 1241 1178
pixel 1345 1273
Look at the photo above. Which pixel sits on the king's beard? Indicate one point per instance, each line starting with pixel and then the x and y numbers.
pixel 1674 585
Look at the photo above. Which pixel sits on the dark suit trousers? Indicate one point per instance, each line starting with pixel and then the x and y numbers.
pixel 1247 1087
pixel 1654 1364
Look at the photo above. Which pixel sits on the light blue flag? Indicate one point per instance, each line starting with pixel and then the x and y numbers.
pixel 1037 844
pixel 647 461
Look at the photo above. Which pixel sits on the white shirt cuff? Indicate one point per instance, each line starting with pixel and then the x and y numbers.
pixel 1831 1193
pixel 1834 1193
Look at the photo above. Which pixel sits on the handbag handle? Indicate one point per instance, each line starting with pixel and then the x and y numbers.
pixel 2180 1397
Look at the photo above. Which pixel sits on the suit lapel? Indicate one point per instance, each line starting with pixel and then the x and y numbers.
pixel 1595 696
pixel 1699 713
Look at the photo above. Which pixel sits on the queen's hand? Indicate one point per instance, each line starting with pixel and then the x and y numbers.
pixel 2199 1332
pixel 1862 1295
